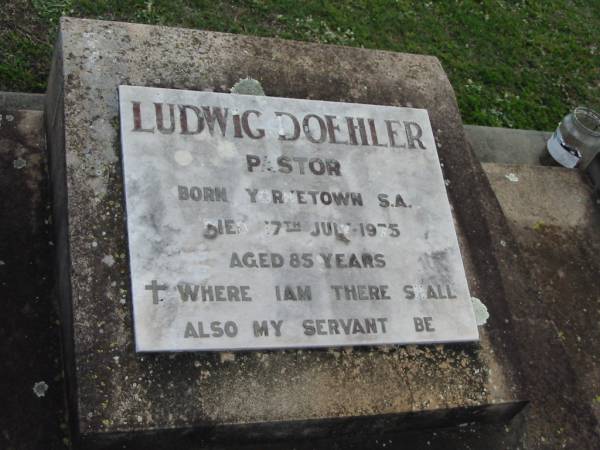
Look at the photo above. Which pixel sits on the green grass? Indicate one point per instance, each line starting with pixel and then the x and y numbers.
pixel 520 64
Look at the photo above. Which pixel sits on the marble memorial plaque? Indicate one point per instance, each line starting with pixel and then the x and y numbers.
pixel 262 222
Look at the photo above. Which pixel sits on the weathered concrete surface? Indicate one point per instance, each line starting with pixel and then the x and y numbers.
pixel 467 436
pixel 507 146
pixel 267 394
pixel 556 222
pixel 29 332
pixel 561 341
pixel 31 428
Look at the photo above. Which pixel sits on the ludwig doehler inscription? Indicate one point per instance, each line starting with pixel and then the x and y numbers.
pixel 261 222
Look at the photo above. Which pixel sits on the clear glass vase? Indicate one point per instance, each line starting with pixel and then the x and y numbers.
pixel 576 139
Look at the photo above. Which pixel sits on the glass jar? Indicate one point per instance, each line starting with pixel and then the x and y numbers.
pixel 577 138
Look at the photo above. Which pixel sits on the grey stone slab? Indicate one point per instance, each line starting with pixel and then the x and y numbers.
pixel 544 196
pixel 230 231
pixel 555 218
pixel 506 145
pixel 271 394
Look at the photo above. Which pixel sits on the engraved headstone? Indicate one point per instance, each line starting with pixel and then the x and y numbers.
pixel 259 222
pixel 182 235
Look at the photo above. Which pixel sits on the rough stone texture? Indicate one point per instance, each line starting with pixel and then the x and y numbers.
pixel 29 332
pixel 507 146
pixel 560 414
pixel 42 424
pixel 14 101
pixel 556 220
pixel 261 394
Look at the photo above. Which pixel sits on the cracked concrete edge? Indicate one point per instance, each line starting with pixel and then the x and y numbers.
pixel 507 145
pixel 21 101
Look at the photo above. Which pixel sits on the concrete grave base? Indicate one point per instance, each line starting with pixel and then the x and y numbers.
pixel 560 341
pixel 555 220
pixel 117 395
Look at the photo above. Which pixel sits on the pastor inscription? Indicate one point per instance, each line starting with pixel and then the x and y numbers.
pixel 260 222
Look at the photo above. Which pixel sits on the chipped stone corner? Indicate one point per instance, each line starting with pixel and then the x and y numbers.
pixel 248 86
pixel 481 312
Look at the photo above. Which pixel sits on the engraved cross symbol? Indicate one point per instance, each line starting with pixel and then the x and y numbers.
pixel 155 287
